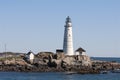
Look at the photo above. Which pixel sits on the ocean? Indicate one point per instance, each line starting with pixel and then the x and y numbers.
pixel 56 76
pixel 60 75
pixel 107 59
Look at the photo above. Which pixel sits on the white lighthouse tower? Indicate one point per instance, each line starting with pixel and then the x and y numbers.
pixel 68 42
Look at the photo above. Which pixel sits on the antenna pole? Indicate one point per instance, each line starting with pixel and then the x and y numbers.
pixel 5 53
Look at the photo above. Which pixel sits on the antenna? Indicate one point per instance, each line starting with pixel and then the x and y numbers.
pixel 5 53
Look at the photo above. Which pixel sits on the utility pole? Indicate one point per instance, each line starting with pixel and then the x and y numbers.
pixel 5 53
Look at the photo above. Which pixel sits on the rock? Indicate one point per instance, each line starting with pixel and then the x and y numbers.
pixel 69 60
pixel 47 61
pixel 83 57
pixel 44 55
pixel 81 60
pixel 59 56
pixel 54 63
pixel 86 63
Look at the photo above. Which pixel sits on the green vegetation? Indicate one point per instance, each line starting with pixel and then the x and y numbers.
pixel 10 58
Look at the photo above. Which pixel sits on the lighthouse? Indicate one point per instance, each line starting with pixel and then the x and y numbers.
pixel 68 41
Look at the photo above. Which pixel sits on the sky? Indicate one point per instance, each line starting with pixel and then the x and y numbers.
pixel 38 25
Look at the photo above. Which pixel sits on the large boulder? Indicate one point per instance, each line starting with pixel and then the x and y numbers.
pixel 76 61
pixel 83 57
pixel 85 60
pixel 69 60
pixel 54 63
pixel 59 56
pixel 44 55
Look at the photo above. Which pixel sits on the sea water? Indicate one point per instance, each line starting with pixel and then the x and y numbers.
pixel 56 76
pixel 107 59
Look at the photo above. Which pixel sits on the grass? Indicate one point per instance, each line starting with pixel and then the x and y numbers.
pixel 10 58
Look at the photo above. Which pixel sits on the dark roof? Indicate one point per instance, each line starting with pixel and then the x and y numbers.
pixel 30 53
pixel 68 19
pixel 80 50
pixel 59 50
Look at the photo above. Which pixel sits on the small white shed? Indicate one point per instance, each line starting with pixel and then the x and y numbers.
pixel 30 56
pixel 80 51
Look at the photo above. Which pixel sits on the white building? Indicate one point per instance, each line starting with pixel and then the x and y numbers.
pixel 68 42
pixel 80 51
pixel 30 56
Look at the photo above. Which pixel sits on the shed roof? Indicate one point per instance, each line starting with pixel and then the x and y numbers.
pixel 59 50
pixel 30 52
pixel 80 50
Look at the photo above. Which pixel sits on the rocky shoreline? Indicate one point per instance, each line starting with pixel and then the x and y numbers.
pixel 49 62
